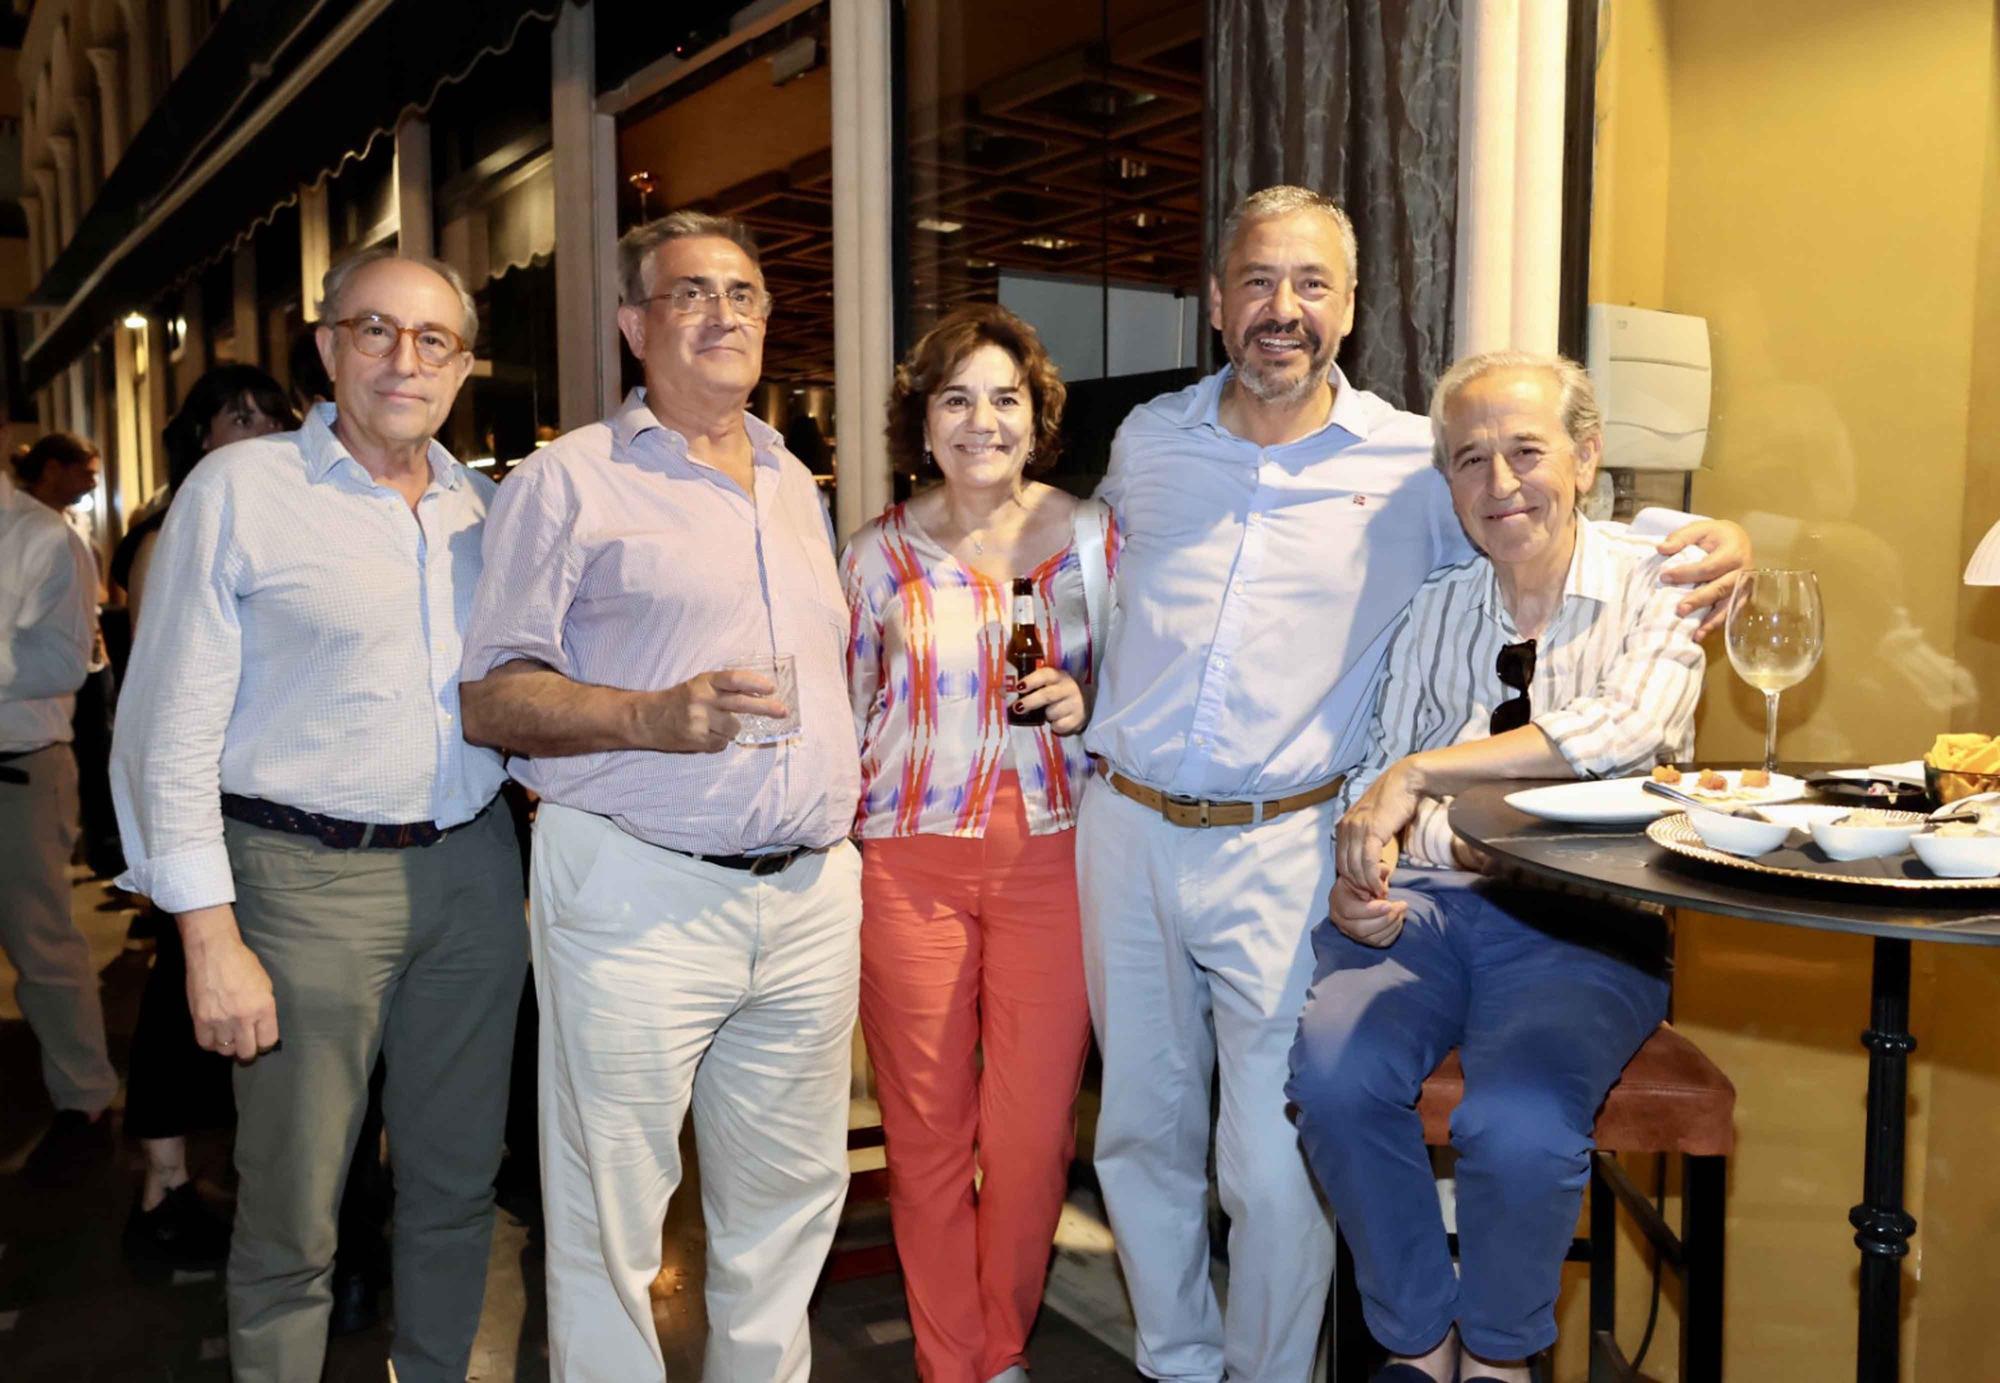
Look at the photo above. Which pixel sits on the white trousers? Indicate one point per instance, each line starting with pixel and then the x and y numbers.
pixel 666 982
pixel 1197 954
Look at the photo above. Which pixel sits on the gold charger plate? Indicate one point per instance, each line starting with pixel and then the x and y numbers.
pixel 1676 834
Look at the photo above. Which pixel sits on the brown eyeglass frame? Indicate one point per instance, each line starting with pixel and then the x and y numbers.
pixel 464 346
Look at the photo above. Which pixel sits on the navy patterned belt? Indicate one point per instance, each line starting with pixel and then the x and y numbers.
pixel 329 830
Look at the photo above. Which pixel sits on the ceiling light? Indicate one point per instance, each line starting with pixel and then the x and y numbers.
pixel 942 227
pixel 135 321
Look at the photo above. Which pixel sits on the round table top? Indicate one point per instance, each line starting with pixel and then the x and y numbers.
pixel 1622 860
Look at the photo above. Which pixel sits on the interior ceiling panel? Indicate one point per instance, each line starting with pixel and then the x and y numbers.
pixel 1085 162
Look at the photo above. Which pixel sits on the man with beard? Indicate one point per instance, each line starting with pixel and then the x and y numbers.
pixel 1276 522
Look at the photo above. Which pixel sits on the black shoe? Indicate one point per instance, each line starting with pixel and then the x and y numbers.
pixel 179 1232
pixel 1400 1373
pixel 354 1302
pixel 74 1147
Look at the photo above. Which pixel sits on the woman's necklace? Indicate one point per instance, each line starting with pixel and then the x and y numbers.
pixel 978 535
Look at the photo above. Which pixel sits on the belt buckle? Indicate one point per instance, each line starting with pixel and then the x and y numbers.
pixel 771 864
pixel 1200 806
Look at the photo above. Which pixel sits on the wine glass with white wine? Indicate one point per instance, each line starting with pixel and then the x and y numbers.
pixel 1775 633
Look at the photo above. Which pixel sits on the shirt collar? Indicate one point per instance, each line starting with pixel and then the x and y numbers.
pixel 323 450
pixel 1592 575
pixel 1355 411
pixel 634 417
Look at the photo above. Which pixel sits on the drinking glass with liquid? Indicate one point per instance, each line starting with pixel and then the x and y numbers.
pixel 1775 632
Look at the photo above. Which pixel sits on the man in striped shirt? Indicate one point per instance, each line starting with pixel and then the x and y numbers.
pixel 1556 653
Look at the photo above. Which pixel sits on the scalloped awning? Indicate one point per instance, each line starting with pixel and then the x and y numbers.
pixel 279 94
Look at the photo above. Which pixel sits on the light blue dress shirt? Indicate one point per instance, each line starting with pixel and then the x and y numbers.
pixel 300 643
pixel 1258 589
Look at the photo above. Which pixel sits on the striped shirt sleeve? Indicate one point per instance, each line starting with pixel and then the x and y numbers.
pixel 1646 696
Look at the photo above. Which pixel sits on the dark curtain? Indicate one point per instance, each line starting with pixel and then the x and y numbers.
pixel 1358 99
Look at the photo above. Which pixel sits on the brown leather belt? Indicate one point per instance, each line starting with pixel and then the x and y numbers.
pixel 1197 811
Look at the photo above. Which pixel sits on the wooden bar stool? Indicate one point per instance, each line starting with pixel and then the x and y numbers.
pixel 1669 1099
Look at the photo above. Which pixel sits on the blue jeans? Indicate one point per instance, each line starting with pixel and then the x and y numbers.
pixel 1546 1013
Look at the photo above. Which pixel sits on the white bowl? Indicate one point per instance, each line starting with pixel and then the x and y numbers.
pixel 1737 835
pixel 1958 857
pixel 1843 842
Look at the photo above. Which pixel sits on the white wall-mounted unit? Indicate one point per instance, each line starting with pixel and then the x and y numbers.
pixel 1652 375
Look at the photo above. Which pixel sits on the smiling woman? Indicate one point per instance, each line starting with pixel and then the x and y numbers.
pixel 967 813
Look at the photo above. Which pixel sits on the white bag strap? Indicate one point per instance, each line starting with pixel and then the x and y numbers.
pixel 1090 556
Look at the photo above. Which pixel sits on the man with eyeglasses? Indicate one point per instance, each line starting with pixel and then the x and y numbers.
pixel 1555 653
pixel 292 783
pixel 696 905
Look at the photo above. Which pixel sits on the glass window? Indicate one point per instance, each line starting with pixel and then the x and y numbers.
pixel 748 133
pixel 1052 162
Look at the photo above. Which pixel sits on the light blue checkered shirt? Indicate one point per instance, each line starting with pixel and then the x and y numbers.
pixel 301 644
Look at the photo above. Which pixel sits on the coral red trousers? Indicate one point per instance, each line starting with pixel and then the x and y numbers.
pixel 973 1006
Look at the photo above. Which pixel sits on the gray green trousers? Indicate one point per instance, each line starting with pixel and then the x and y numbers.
pixel 57 989
pixel 418 954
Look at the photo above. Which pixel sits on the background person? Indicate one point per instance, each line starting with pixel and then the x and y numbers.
pixel 61 469
pixel 972 997
pixel 1557 653
pixel 48 623
pixel 172 1086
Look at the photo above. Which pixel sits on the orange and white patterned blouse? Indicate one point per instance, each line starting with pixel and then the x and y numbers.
pixel 926 668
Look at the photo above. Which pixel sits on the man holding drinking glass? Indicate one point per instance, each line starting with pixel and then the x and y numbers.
pixel 654 580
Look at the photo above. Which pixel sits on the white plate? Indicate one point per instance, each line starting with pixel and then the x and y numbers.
pixel 1625 802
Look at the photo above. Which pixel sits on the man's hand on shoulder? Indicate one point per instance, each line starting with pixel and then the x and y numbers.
pixel 1728 552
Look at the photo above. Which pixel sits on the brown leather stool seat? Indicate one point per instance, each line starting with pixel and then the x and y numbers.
pixel 1670 1100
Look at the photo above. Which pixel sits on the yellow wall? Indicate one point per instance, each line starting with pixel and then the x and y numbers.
pixel 1820 179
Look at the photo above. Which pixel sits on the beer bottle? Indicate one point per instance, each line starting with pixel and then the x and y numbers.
pixel 1024 653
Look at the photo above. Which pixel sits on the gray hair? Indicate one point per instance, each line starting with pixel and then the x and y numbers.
pixel 636 246
pixel 336 280
pixel 1282 200
pixel 1576 400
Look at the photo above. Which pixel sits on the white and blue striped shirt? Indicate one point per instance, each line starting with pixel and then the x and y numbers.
pixel 301 644
pixel 1617 672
